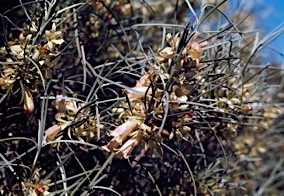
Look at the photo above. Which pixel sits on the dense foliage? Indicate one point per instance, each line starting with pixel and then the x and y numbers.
pixel 137 98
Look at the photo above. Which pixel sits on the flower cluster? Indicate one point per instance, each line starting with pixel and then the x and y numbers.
pixel 172 97
pixel 134 130
pixel 154 95
pixel 75 118
pixel 196 113
pixel 37 186
pixel 27 61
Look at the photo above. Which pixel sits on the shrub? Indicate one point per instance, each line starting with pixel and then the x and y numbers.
pixel 131 98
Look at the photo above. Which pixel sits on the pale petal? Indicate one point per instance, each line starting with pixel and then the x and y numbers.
pixel 182 98
pixel 127 148
pixel 123 130
pixel 28 38
pixel 50 45
pixel 22 38
pixel 176 41
pixel 58 41
pixel 143 80
pixel 140 92
pixel 57 34
pixel 183 107
pixel 203 44
pixel 129 145
pixel 53 27
pixel 113 144
pixel 195 50
pixel 47 33
pixel 8 72
pixel 16 48
pixel 52 132
pixel 167 52
pixel 169 38
pixel 36 54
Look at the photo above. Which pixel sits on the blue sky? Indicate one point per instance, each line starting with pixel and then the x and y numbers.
pixel 270 14
pixel 276 17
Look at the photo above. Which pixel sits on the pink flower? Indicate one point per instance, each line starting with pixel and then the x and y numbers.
pixel 128 146
pixel 54 130
pixel 112 145
pixel 144 79
pixel 195 50
pixel 123 130
pixel 120 134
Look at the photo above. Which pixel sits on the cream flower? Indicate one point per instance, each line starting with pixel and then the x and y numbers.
pixel 68 105
pixel 54 37
pixel 168 52
pixel 8 78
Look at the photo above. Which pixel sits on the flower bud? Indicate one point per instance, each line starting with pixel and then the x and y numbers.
pixel 195 50
pixel 28 101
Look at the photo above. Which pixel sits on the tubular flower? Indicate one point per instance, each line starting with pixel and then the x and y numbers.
pixel 54 130
pixel 120 134
pixel 129 145
pixel 122 131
